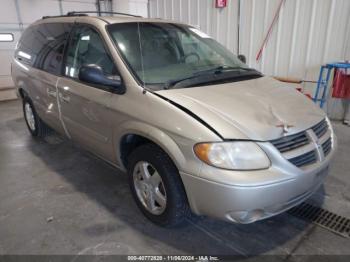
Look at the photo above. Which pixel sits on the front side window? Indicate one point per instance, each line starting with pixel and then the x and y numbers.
pixel 86 48
pixel 160 53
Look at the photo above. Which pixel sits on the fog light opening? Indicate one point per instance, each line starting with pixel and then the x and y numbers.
pixel 246 217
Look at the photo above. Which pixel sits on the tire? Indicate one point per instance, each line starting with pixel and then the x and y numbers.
pixel 35 125
pixel 176 208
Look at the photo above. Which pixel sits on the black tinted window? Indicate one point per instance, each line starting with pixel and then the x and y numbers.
pixel 43 45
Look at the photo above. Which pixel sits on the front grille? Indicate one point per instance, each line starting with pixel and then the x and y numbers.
pixel 302 139
pixel 304 159
pixel 327 146
pixel 291 142
pixel 321 128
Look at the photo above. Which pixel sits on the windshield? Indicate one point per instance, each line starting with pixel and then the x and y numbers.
pixel 162 53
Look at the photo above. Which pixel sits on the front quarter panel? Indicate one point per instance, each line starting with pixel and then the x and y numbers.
pixel 169 127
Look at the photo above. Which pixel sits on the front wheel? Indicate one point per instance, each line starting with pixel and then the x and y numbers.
pixel 156 186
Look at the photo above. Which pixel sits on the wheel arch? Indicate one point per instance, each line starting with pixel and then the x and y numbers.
pixel 22 93
pixel 136 133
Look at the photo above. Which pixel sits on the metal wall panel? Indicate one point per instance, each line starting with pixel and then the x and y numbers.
pixel 36 9
pixel 87 5
pixel 307 33
pixel 136 7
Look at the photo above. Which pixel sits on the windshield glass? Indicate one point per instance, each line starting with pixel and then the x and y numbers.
pixel 159 53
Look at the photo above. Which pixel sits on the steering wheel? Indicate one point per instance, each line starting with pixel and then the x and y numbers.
pixel 192 54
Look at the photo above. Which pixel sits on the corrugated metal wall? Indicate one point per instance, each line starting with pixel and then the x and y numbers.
pixel 308 32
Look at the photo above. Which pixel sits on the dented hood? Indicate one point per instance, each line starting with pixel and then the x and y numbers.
pixel 253 109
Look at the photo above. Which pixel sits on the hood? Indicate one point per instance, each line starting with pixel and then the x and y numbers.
pixel 252 109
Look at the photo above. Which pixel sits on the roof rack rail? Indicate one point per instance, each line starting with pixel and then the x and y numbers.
pixel 54 16
pixel 78 13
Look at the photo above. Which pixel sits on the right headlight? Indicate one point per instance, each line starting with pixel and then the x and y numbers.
pixel 238 155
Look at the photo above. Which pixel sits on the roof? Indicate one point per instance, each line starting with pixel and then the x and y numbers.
pixel 116 18
pixel 123 19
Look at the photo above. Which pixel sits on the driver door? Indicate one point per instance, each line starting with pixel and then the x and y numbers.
pixel 85 108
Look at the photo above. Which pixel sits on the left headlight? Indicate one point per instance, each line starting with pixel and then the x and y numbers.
pixel 239 155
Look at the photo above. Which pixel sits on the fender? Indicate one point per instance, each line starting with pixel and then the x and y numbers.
pixel 189 112
pixel 152 133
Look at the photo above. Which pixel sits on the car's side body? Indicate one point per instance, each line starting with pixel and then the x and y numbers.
pixel 93 131
pixel 111 125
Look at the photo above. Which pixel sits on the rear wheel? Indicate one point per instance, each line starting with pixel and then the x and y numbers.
pixel 156 186
pixel 35 125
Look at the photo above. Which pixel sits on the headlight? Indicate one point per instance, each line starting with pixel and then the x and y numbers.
pixel 240 155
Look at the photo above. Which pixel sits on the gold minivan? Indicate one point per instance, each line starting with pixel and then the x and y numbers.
pixel 195 128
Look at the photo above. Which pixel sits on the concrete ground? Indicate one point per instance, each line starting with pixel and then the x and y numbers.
pixel 58 199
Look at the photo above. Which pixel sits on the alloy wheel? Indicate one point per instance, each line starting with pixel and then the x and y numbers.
pixel 149 188
pixel 29 116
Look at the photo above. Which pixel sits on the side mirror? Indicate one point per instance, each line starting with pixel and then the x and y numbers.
pixel 242 58
pixel 94 75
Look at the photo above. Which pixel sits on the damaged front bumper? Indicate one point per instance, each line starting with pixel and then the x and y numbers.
pixel 248 196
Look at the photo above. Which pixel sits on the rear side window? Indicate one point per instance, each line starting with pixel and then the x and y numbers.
pixel 24 51
pixel 42 46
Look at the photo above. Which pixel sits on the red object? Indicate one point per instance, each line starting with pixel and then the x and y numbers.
pixel 309 96
pixel 301 91
pixel 258 56
pixel 220 3
pixel 341 84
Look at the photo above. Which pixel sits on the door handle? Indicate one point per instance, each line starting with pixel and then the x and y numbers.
pixel 51 93
pixel 65 99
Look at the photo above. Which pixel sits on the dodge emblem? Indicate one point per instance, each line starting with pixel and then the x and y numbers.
pixel 285 128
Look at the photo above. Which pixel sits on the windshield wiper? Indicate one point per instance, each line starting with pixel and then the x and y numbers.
pixel 172 82
pixel 212 71
pixel 222 68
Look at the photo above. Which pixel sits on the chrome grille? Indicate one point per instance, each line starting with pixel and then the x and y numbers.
pixel 321 128
pixel 327 146
pixel 304 159
pixel 293 147
pixel 288 143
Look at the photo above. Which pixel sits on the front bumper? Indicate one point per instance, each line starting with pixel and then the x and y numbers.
pixel 248 196
pixel 248 204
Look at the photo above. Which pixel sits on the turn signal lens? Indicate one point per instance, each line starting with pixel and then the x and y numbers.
pixel 202 152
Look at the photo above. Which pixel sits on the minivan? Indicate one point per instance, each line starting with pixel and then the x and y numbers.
pixel 194 127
